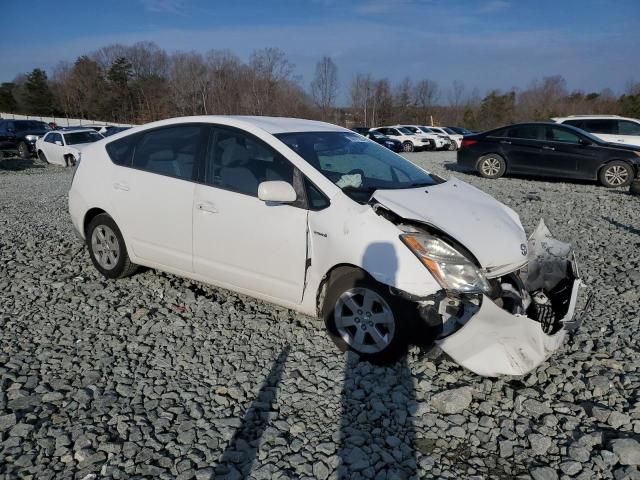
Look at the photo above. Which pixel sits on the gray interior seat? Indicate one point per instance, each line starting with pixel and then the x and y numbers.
pixel 234 173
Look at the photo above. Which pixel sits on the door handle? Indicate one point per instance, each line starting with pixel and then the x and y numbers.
pixel 545 147
pixel 505 141
pixel 207 207
pixel 121 186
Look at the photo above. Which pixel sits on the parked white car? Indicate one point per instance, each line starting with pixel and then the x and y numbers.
pixel 610 128
pixel 437 141
pixel 456 138
pixel 64 147
pixel 321 220
pixel 410 141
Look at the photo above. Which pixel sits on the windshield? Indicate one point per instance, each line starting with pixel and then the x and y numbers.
pixel 76 138
pixel 426 130
pixel 448 130
pixel 357 165
pixel 405 131
pixel 26 125
pixel 377 135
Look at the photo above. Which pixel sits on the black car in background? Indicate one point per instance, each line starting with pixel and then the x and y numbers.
pixel 390 143
pixel 21 135
pixel 461 130
pixel 552 150
pixel 108 131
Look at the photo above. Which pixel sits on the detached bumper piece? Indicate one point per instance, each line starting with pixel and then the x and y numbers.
pixel 516 330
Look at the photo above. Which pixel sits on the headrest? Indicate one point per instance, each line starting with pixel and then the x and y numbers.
pixel 234 154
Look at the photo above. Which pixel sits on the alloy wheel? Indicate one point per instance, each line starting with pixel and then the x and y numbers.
pixel 364 320
pixel 105 247
pixel 491 166
pixel 616 175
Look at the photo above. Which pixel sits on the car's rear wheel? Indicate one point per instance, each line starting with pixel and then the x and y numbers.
pixel 23 150
pixel 361 315
pixel 107 248
pixel 491 165
pixel 42 156
pixel 407 147
pixel 616 174
pixel 452 146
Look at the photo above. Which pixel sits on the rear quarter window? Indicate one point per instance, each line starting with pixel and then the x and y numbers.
pixel 121 150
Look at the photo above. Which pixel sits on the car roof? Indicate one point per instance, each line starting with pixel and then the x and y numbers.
pixel 272 125
pixel 75 130
pixel 593 117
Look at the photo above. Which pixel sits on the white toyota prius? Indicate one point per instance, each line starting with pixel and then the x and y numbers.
pixel 319 219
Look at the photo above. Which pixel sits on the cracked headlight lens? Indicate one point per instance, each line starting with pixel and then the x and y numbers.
pixel 452 270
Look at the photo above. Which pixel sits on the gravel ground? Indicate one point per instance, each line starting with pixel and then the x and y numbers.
pixel 157 376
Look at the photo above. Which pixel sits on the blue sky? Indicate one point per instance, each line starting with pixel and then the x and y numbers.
pixel 594 44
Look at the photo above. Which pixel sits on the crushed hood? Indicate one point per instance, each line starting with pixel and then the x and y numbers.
pixel 490 230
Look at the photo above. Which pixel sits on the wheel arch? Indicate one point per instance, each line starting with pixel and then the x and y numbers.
pixel 90 215
pixel 337 269
pixel 635 168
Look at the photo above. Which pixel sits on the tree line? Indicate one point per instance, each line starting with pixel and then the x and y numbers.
pixel 142 82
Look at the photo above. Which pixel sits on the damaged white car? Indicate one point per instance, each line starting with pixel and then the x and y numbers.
pixel 321 220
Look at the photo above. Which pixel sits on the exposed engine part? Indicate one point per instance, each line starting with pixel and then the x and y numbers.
pixel 447 314
pixel 541 310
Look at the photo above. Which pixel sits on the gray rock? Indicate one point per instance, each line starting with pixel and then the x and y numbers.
pixel 7 421
pixel 543 473
pixel 627 450
pixel 452 401
pixel 570 467
pixel 539 443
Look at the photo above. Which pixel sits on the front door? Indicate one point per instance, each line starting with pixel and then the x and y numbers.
pixel 239 240
pixel 153 193
pixel 564 152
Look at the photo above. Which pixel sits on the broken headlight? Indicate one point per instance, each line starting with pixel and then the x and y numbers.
pixel 453 271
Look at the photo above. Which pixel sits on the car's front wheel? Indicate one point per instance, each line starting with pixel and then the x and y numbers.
pixel 42 157
pixel 616 174
pixel 361 315
pixel 407 147
pixel 107 248
pixel 491 166
pixel 452 146
pixel 23 150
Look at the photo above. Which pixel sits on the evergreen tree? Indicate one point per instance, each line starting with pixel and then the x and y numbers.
pixel 38 96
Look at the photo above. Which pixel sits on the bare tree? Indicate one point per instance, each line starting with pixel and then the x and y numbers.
pixel 324 86
pixel 425 94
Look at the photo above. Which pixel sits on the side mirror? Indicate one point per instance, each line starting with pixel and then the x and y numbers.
pixel 276 191
pixel 59 143
pixel 584 142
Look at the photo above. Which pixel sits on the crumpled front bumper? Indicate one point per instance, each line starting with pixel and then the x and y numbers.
pixel 496 342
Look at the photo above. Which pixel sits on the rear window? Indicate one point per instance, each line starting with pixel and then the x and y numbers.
pixel 528 132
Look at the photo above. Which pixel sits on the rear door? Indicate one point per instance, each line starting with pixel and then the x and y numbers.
pixel 239 240
pixel 567 156
pixel 153 186
pixel 522 147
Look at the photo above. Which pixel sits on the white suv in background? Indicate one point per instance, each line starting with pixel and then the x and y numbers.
pixel 410 141
pixel 437 142
pixel 456 138
pixel 610 128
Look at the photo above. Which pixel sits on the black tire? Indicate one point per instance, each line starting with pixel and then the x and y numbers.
pixel 491 165
pixel 616 174
pixel 23 150
pixel 69 160
pixel 122 266
pixel 42 157
pixel 453 146
pixel 407 147
pixel 353 280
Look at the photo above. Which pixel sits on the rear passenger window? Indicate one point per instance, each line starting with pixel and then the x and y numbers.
pixel 240 162
pixel 626 127
pixel 528 132
pixel 601 126
pixel 169 151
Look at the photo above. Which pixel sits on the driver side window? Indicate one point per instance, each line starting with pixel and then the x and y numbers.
pixel 239 162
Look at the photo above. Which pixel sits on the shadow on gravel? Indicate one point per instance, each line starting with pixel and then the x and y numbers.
pixel 376 433
pixel 243 447
pixel 454 167
pixel 622 226
pixel 17 164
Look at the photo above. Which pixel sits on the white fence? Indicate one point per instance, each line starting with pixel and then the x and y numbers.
pixel 61 121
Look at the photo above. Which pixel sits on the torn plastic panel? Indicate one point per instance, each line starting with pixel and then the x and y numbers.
pixel 526 317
